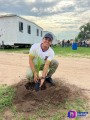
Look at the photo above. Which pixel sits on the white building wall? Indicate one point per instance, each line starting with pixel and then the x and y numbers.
pixel 24 37
pixel 10 34
pixel 8 30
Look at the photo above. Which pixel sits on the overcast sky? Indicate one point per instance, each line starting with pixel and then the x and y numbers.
pixel 62 17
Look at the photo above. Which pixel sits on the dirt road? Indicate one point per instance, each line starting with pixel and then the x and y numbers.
pixel 71 70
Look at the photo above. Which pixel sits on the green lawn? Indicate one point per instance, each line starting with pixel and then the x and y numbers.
pixel 16 50
pixel 66 51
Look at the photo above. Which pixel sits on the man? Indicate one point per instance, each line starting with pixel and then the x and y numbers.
pixel 46 53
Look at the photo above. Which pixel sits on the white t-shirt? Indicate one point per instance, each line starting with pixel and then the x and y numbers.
pixel 37 51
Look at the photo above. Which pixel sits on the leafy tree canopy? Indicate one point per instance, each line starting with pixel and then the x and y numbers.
pixel 84 32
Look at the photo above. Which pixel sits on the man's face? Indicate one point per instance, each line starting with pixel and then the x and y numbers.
pixel 47 41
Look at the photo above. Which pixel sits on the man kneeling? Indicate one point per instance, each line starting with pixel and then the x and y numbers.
pixel 41 58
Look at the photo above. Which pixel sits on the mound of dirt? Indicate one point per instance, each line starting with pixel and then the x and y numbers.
pixel 29 100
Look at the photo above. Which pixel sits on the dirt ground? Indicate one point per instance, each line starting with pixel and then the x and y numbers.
pixel 71 70
pixel 75 72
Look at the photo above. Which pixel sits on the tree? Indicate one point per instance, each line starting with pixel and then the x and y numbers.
pixel 84 32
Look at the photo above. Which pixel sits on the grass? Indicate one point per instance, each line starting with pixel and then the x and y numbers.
pixel 6 96
pixel 57 112
pixel 16 50
pixel 66 51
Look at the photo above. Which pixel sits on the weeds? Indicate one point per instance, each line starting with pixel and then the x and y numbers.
pixel 6 96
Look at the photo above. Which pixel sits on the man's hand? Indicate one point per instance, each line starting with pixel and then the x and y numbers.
pixel 36 78
pixel 42 81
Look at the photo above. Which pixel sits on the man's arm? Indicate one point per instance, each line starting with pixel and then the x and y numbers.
pixel 32 66
pixel 45 70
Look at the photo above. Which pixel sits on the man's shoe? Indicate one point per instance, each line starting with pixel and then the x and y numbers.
pixel 49 80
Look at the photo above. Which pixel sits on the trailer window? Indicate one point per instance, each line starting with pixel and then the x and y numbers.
pixel 41 33
pixel 37 32
pixel 21 26
pixel 29 29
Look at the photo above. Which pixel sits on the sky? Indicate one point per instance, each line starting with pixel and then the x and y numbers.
pixel 61 17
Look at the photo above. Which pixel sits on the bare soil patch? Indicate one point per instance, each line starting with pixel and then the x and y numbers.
pixel 30 100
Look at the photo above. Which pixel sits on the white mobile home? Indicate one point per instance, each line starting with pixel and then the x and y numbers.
pixel 15 30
